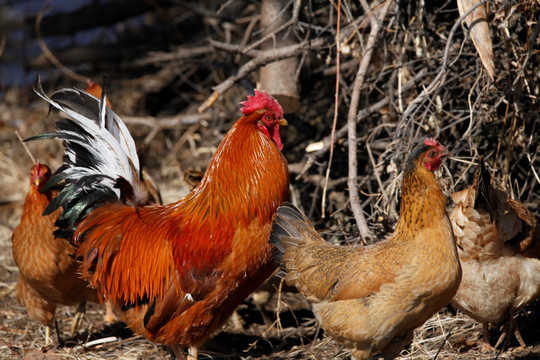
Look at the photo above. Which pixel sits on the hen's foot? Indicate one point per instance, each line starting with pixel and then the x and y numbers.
pixel 78 318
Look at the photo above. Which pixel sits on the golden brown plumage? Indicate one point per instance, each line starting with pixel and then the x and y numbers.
pixel 179 270
pixel 47 270
pixel 498 252
pixel 372 298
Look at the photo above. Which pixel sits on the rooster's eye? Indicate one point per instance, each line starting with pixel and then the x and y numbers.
pixel 267 118
pixel 432 154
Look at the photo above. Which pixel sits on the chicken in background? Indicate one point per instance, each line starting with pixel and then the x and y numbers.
pixel 96 90
pixel 498 250
pixel 48 273
pixel 371 298
pixel 177 271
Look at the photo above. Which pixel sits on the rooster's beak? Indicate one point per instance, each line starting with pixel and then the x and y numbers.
pixel 283 122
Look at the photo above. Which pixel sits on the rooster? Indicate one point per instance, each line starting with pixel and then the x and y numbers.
pixel 47 270
pixel 372 298
pixel 177 271
pixel 498 247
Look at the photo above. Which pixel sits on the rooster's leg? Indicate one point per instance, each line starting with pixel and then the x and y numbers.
pixel 193 353
pixel 260 298
pixel 237 321
pixel 109 317
pixel 48 340
pixel 178 352
pixel 77 319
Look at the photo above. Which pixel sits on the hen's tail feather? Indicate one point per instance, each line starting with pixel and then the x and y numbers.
pixel 99 150
pixel 482 184
pixel 289 229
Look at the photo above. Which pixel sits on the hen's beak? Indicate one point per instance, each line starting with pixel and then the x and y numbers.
pixel 283 122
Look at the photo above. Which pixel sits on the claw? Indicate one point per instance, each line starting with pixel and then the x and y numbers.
pixel 78 318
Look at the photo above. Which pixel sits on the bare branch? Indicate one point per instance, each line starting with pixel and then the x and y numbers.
pixel 352 181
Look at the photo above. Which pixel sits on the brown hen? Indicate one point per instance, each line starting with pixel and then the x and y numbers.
pixel 47 270
pixel 499 255
pixel 371 298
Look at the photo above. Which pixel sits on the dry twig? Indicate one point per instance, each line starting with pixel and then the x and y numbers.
pixel 352 182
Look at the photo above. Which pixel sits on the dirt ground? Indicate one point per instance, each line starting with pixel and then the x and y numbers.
pixel 294 335
pixel 169 57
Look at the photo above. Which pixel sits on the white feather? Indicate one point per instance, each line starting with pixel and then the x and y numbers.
pixel 108 139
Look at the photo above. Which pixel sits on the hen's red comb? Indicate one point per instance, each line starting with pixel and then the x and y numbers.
pixel 261 100
pixel 431 142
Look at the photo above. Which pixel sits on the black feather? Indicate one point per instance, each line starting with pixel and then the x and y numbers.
pixel 149 312
pixel 142 301
pixel 283 228
pixel 65 196
pixel 482 200
pixel 78 101
pixel 417 151
pixel 54 180
pixel 95 156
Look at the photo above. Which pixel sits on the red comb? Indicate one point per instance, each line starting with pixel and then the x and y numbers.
pixel 432 142
pixel 261 100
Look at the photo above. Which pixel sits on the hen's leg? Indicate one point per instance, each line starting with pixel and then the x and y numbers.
pixel 360 355
pixel 515 327
pixel 77 319
pixel 484 345
pixel 511 326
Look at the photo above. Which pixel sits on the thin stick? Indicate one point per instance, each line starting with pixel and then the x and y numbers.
pixel 352 181
pixel 441 76
pixel 336 107
pixel 25 147
pixel 438 81
pixel 361 114
pixel 48 54
pixel 263 57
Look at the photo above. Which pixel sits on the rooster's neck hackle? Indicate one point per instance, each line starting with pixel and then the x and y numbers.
pixel 240 171
pixel 244 180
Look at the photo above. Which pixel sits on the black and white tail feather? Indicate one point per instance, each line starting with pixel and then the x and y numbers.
pixel 100 163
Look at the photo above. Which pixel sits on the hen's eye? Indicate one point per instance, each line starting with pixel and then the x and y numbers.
pixel 432 153
pixel 267 118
